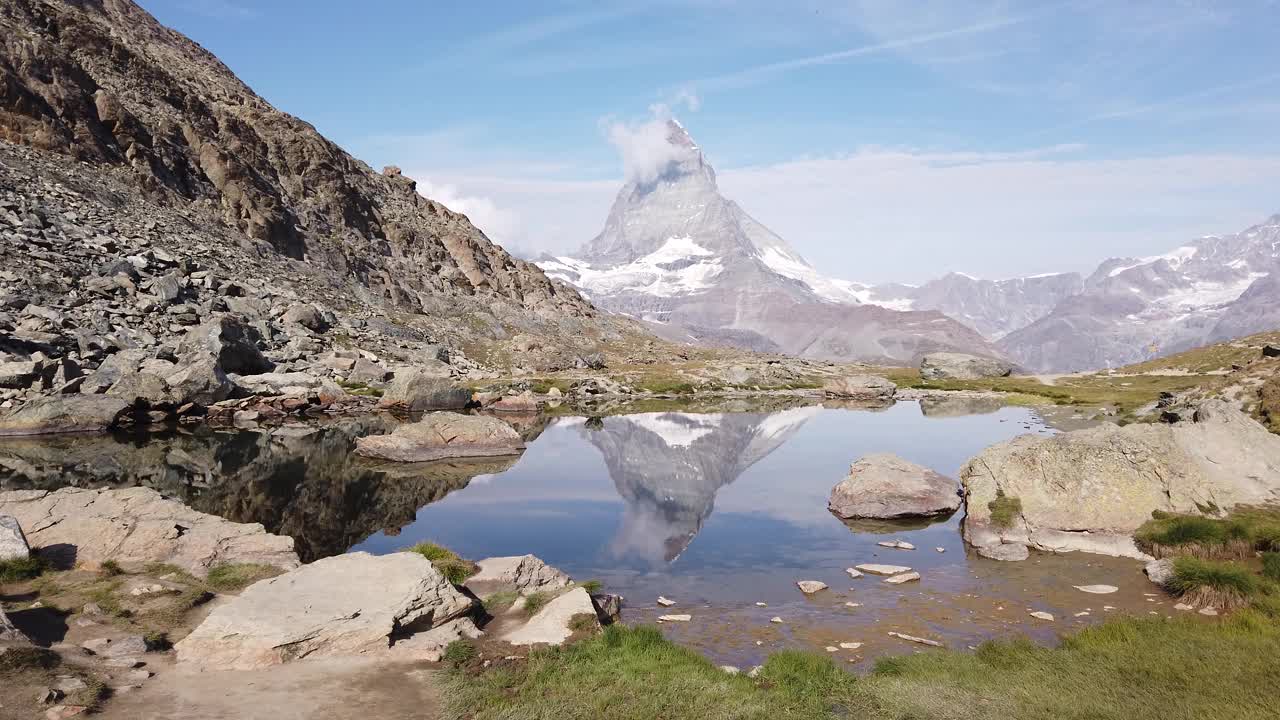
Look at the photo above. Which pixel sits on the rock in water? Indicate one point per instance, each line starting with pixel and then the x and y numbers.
pixel 13 544
pixel 860 388
pixel 346 605
pixel 1159 571
pixel 903 578
pixel 443 435
pixel 877 569
pixel 550 625
pixel 418 390
pixel 958 366
pixel 1098 589
pixel 55 414
pixel 137 526
pixel 809 587
pixel 1005 551
pixel 1091 489
pixel 885 486
pixel 522 573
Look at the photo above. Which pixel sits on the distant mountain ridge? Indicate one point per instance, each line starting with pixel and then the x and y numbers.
pixel 678 254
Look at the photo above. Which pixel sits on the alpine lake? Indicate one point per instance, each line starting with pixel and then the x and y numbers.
pixel 721 512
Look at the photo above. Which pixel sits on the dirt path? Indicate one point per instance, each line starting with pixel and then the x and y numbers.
pixel 340 689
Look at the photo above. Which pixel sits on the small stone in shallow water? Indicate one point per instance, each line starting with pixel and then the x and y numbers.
pixel 877 569
pixel 1082 613
pixel 760 604
pixel 914 639
pixel 1097 589
pixel 850 645
pixel 1041 615
pixel 674 618
pixel 940 549
pixel 853 573
pixel 904 577
pixel 853 604
pixel 831 648
pixel 899 544
pixel 1208 611
pixel 809 587
pixel 732 670
pixel 1107 607
pixel 665 602
pixel 775 619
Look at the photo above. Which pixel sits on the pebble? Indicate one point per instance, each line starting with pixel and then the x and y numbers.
pixel 831 648
pixel 775 619
pixel 940 549
pixel 850 645
pixel 853 572
pixel 1097 589
pixel 1083 613
pixel 1042 615
pixel 674 618
pixel 898 544
pixel 809 587
pixel 665 602
pixel 760 604
pixel 730 669
pixel 853 604
pixel 1184 607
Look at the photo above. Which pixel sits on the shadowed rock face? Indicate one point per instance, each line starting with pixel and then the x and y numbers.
pixel 669 466
pixel 301 482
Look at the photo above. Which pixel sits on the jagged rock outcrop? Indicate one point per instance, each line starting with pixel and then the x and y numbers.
pixel 519 573
pixel 349 605
pixel 885 487
pixel 1091 489
pixel 137 526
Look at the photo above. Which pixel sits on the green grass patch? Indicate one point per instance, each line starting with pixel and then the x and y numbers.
pixel 18 658
pixel 229 577
pixel 459 652
pixel 1235 537
pixel 453 567
pixel 1005 510
pixel 1125 669
pixel 1271 565
pixel 583 622
pixel 21 569
pixel 110 568
pixel 1213 583
pixel 591 586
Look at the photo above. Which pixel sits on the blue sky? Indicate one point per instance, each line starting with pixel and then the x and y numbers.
pixel 884 140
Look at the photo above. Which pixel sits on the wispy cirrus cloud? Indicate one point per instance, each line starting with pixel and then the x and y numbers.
pixel 219 9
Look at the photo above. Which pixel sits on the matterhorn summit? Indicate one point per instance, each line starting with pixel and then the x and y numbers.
pixel 677 254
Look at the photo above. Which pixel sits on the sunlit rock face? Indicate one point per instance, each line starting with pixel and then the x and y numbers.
pixel 668 468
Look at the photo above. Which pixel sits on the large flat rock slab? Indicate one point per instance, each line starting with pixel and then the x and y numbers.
pixel 442 435
pixel 347 605
pixel 884 486
pixel 59 414
pixel 550 626
pixel 1089 490
pixel 138 525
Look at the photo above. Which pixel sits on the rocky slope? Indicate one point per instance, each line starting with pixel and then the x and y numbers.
pixel 994 308
pixel 678 254
pixel 144 189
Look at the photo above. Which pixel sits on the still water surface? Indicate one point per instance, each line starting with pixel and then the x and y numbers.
pixel 718 511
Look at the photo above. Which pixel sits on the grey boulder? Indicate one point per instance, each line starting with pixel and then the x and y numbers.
pixel 552 624
pixel 231 340
pixel 959 366
pixel 521 573
pixel 347 605
pixel 884 486
pixel 867 388
pixel 13 544
pixel 443 435
pixel 417 390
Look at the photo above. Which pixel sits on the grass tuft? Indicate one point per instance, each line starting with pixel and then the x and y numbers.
pixel 229 577
pixel 20 569
pixel 14 659
pixel 453 567
pixel 110 568
pixel 1234 538
pixel 583 622
pixel 1212 583
pixel 1271 565
pixel 1004 510
pixel 533 602
pixel 498 601
pixel 593 587
pixel 459 653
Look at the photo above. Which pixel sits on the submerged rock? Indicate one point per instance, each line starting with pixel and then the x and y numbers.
pixel 884 486
pixel 443 435
pixel 1159 571
pixel 552 624
pixel 1090 489
pixel 54 414
pixel 958 366
pixel 346 605
pixel 1006 552
pixel 878 569
pixel 136 526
